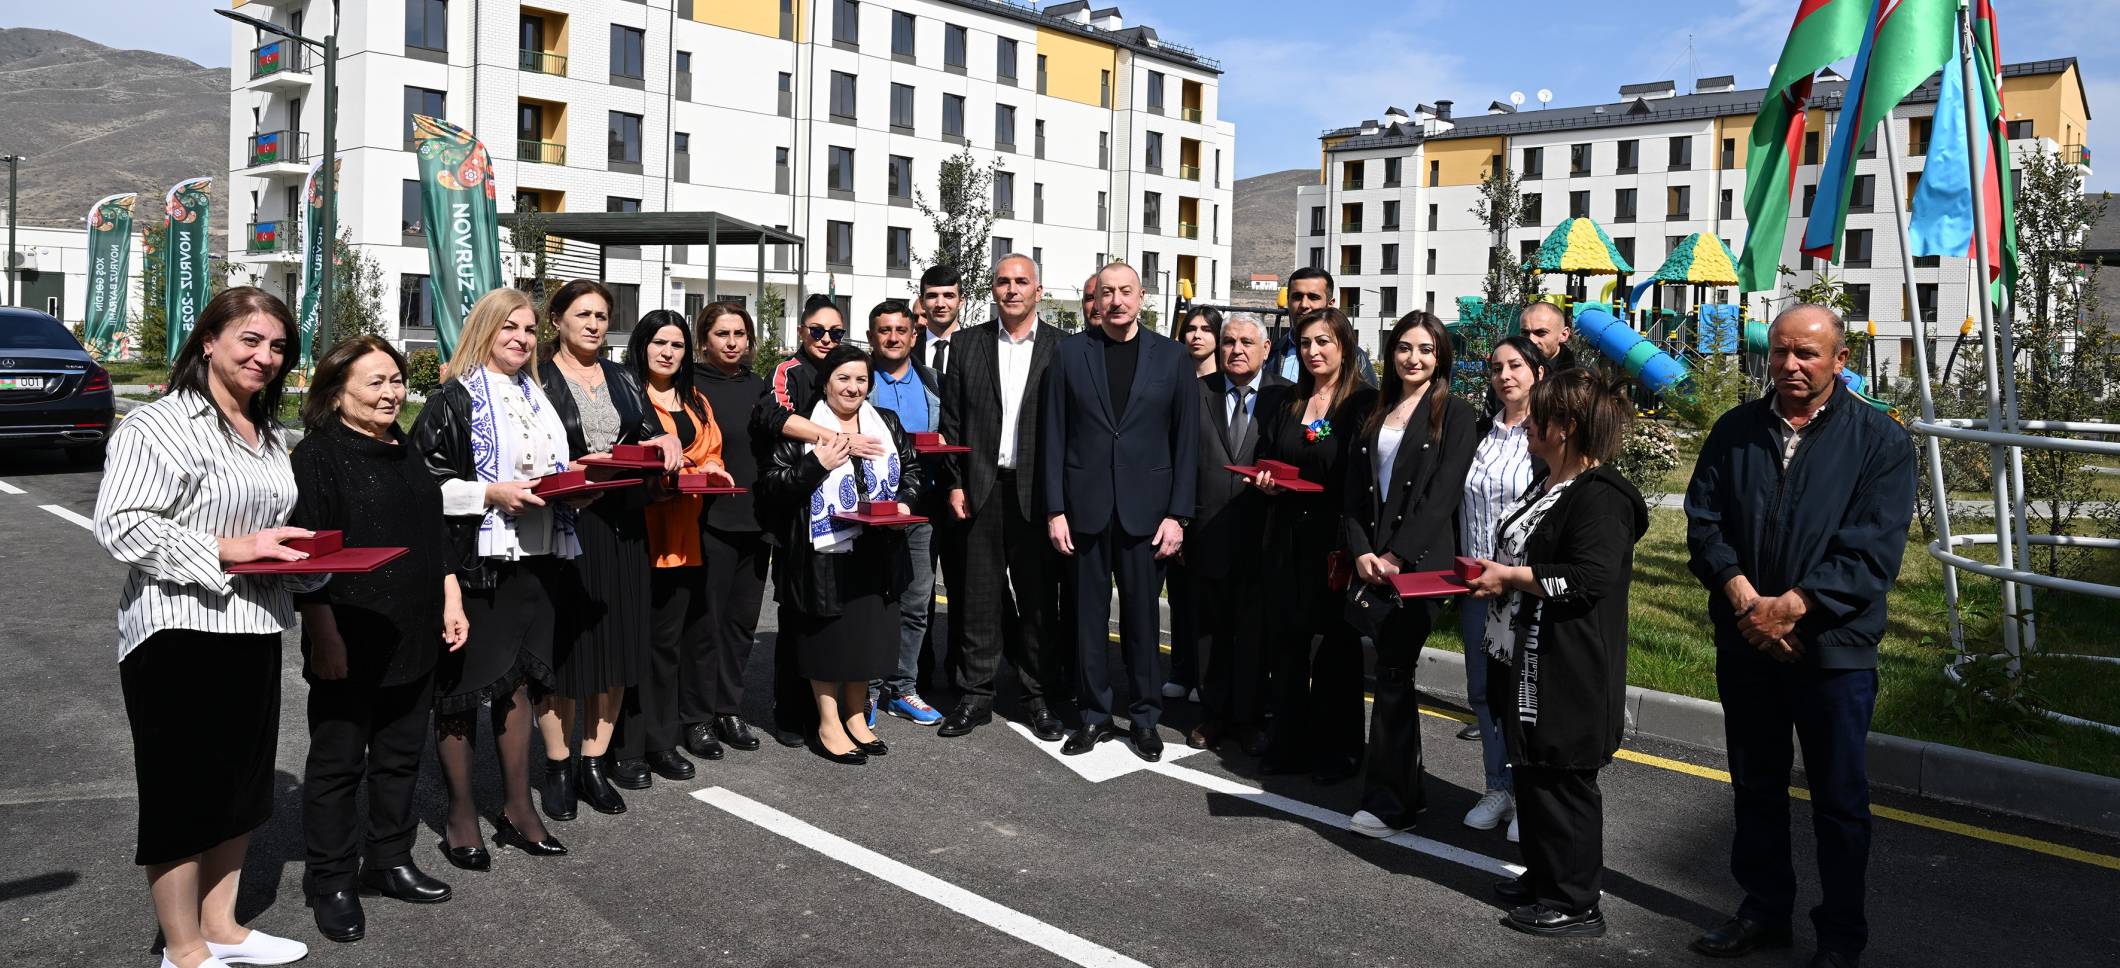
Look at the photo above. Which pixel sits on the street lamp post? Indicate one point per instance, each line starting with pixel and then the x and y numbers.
pixel 13 216
pixel 326 176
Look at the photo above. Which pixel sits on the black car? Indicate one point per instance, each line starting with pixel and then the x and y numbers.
pixel 52 394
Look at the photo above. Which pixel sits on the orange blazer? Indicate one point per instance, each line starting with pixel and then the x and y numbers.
pixel 673 521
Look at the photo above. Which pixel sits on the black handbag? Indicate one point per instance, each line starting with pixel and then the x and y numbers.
pixel 1367 608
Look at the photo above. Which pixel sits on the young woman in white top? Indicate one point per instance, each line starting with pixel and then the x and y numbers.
pixel 195 482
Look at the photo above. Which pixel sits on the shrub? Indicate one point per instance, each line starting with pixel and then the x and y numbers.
pixel 1649 452
pixel 426 371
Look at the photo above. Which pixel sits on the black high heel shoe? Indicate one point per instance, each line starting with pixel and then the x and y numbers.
pixel 473 858
pixel 505 835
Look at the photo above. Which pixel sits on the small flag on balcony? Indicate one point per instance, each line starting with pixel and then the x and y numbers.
pixel 268 58
pixel 265 235
pixel 268 150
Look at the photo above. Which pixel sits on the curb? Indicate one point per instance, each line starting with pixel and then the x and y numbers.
pixel 2086 801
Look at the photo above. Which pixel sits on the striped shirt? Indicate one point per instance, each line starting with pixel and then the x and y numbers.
pixel 175 481
pixel 1501 470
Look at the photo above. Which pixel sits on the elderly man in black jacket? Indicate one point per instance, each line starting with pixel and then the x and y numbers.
pixel 1796 522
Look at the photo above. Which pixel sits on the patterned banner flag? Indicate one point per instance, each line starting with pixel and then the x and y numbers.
pixel 463 229
pixel 186 282
pixel 109 259
pixel 316 270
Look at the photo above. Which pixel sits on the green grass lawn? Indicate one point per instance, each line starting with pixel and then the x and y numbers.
pixel 1671 651
pixel 138 372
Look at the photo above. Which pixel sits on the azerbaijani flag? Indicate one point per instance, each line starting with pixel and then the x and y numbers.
pixel 1942 222
pixel 268 150
pixel 1904 43
pixel 1824 31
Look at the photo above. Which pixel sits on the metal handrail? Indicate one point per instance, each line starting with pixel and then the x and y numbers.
pixel 286 235
pixel 1189 172
pixel 288 59
pixel 287 147
pixel 543 62
pixel 541 152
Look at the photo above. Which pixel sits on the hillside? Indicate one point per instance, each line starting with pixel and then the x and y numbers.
pixel 94 120
pixel 1263 235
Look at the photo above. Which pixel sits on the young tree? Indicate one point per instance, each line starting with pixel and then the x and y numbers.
pixel 1501 208
pixel 962 214
pixel 357 294
pixel 531 257
pixel 767 354
pixel 152 321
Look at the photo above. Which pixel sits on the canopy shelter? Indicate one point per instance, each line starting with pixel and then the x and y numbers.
pixel 1701 259
pixel 1580 247
pixel 604 231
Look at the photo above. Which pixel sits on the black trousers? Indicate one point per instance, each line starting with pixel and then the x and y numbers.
pixel 794 706
pixel 360 729
pixel 1316 695
pixel 1004 598
pixel 710 677
pixel 1561 819
pixel 1186 589
pixel 1100 557
pixel 1391 765
pixel 678 627
pixel 1221 622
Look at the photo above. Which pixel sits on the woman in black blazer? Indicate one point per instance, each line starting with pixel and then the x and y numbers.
pixel 1404 478
pixel 837 582
pixel 601 647
pixel 1316 700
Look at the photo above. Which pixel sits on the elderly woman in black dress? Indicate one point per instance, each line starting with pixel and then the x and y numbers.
pixel 839 581
pixel 371 640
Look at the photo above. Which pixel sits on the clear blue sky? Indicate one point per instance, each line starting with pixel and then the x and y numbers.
pixel 1336 62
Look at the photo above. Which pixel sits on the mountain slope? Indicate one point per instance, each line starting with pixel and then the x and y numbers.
pixel 1263 235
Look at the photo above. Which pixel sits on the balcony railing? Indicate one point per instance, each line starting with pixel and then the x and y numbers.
pixel 1350 225
pixel 543 62
pixel 1188 230
pixel 275 236
pixel 2075 155
pixel 1350 269
pixel 278 148
pixel 541 152
pixel 278 57
pixel 1350 184
pixel 1189 172
pixel 1193 115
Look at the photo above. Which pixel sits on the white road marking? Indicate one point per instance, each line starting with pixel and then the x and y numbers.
pixel 6 488
pixel 1005 919
pixel 69 515
pixel 1112 758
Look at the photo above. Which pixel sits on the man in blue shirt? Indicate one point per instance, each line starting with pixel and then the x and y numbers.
pixel 914 393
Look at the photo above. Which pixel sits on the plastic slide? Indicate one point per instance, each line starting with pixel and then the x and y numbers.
pixel 1611 337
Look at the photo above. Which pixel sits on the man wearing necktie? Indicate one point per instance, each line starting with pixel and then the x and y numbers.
pixel 940 301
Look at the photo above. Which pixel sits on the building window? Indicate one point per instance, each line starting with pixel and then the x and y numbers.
pixel 1351 175
pixel 1810 147
pixel 1578 204
pixel 1392 168
pixel 1388 300
pixel 1729 153
pixel 1388 260
pixel 902 35
pixel 427 27
pixel 1317 257
pixel 681 151
pixel 1533 204
pixel 902 108
pixel 1317 220
pixel 1038 202
pixel 1435 173
pixel 2020 131
pixel 1391 216
pixel 629 54
pixel 1152 156
pixel 1429 266
pixel 787 94
pixel 901 181
pixel 1918 131
pixel 954 40
pixel 1623 205
pixel 839 171
pixel 1534 162
pixel 1151 270
pixel 1152 213
pixel 1351 217
pixel 1039 136
pixel 1527 250
pixel 1351 301
pixel 420 100
pixel 1005 60
pixel 839 244
pixel 1104 150
pixel 953 117
pixel 1726 204
pixel 1625 245
pixel 415 301
pixel 842 97
pixel 1928 261
pixel 409 209
pixel 1005 127
pixel 1103 215
pixel 1855 251
pixel 1925 296
pixel 1004 203
pixel 1155 92
pixel 1434 216
pixel 846 24
pixel 898 249
pixel 1859 295
pixel 1041 73
pixel 1428 302
pixel 1679 201
pixel 1863 196
pixel 1630 156
pixel 1104 89
pixel 1682 153
pixel 624 147
pixel 1578 160
pixel 1350 264
pixel 781 180
pixel 1810 195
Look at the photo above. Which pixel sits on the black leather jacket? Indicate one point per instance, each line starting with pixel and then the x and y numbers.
pixel 636 421
pixel 817 584
pixel 442 437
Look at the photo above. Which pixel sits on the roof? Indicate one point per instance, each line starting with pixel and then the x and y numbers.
pixel 1136 39
pixel 1264 277
pixel 2101 245
pixel 1652 87
pixel 1825 94
pixel 656 228
pixel 1719 80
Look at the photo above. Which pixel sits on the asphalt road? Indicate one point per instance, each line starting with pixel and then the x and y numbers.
pixel 980 851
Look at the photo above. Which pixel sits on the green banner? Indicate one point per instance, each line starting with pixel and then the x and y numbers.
pixel 462 226
pixel 185 279
pixel 109 261
pixel 316 271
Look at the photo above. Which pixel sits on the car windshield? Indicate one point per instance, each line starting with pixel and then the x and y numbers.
pixel 35 333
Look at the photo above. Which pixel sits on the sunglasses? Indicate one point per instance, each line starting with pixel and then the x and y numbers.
pixel 819 334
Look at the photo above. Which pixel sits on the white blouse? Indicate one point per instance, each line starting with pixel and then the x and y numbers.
pixel 175 481
pixel 1389 439
pixel 1501 470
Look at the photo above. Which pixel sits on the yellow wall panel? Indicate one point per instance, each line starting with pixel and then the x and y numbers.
pixel 2052 102
pixel 1464 161
pixel 1736 128
pixel 1075 66
pixel 761 17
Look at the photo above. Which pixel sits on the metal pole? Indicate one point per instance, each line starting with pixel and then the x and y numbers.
pixel 328 184
pixel 13 216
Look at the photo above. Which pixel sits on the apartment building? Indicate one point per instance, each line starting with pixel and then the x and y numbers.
pixel 1392 213
pixel 820 117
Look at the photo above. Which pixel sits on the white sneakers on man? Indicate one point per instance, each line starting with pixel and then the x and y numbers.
pixel 1370 825
pixel 1492 809
pixel 259 948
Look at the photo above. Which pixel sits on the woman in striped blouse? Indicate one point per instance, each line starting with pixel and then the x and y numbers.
pixel 1502 468
pixel 195 482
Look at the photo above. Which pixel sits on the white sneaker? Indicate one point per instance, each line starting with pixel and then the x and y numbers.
pixel 259 948
pixel 1492 808
pixel 1370 825
pixel 210 962
pixel 1512 830
pixel 1173 690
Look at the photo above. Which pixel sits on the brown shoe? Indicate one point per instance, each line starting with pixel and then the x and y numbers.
pixel 1204 736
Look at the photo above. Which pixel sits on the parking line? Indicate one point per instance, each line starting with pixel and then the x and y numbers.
pixel 6 488
pixel 999 917
pixel 69 515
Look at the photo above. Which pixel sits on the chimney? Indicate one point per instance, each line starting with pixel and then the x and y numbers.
pixel 1396 115
pixel 1107 19
pixel 1719 84
pixel 1442 110
pixel 1653 90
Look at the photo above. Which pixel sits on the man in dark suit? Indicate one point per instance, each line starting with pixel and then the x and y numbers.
pixel 1003 584
pixel 940 300
pixel 1118 453
pixel 1221 594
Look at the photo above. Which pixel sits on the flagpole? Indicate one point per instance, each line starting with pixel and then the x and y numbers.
pixel 1939 495
pixel 1998 458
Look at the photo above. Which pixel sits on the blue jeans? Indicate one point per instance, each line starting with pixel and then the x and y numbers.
pixel 1472 630
pixel 914 606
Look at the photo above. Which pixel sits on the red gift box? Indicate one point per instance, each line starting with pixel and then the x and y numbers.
pixel 925 442
pixel 639 457
pixel 564 483
pixel 880 512
pixel 636 452
pixel 699 484
pixel 1288 483
pixel 1469 568
pixel 324 543
pixel 345 561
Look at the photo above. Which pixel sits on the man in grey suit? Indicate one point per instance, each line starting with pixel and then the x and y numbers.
pixel 1003 584
pixel 1219 594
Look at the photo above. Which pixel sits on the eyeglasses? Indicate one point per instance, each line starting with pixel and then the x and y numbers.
pixel 819 334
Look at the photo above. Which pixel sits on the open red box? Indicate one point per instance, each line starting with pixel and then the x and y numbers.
pixel 925 443
pixel 328 555
pixel 629 457
pixel 880 513
pixel 1437 584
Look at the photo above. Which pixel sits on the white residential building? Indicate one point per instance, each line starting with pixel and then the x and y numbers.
pixel 52 266
pixel 1392 215
pixel 820 117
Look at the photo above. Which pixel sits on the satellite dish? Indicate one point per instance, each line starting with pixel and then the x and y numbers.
pixel 1544 96
pixel 1516 98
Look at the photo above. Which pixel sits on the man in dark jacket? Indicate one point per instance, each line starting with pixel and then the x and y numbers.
pixel 1796 522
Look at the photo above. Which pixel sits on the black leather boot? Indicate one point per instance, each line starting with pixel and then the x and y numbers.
pixel 557 789
pixel 596 789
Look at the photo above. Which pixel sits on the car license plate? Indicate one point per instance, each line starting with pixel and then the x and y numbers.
pixel 21 383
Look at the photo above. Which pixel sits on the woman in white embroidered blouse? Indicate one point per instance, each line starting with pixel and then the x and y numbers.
pixel 198 481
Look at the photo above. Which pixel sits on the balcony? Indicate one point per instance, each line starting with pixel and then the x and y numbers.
pixel 275 240
pixel 1188 230
pixel 541 152
pixel 1192 114
pixel 281 153
pixel 279 67
pixel 1189 172
pixel 1350 268
pixel 1350 226
pixel 542 62
pixel 1350 184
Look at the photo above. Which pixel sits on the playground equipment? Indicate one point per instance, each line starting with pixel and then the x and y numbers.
pixel 1613 338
